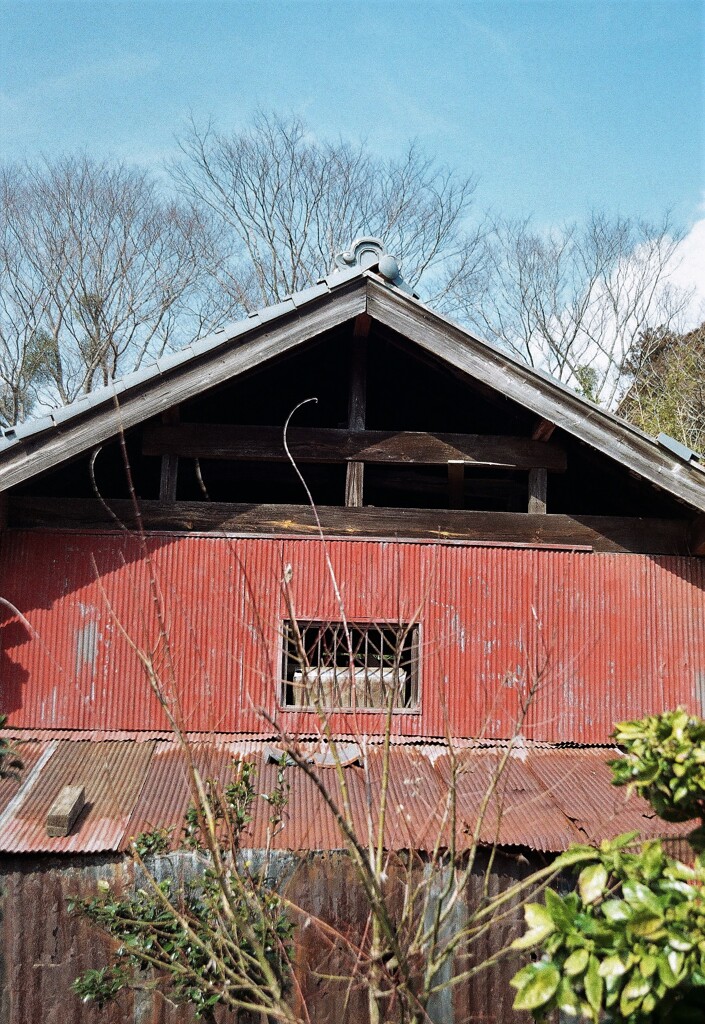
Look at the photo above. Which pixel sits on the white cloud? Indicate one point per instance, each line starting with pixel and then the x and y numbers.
pixel 690 273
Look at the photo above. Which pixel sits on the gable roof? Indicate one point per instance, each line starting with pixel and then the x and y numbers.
pixel 42 444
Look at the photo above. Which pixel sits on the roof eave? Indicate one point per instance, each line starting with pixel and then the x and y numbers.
pixel 545 396
pixel 227 355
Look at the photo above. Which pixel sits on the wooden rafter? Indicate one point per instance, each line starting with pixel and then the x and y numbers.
pixel 170 463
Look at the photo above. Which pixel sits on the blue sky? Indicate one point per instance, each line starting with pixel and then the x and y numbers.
pixel 558 107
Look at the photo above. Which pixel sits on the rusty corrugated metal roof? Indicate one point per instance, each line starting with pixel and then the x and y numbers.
pixel 112 775
pixel 544 799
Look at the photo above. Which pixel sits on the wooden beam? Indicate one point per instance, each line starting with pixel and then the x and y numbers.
pixel 357 407
pixel 603 533
pixel 363 322
pixel 310 444
pixel 538 487
pixel 170 463
pixel 543 430
pixel 456 484
pixel 696 539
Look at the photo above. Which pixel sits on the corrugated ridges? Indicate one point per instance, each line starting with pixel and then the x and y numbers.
pixel 112 775
pixel 598 638
pixel 29 753
pixel 541 799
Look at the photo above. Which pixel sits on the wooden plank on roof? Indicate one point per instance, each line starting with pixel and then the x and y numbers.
pixel 312 444
pixel 603 533
pixel 544 396
pixel 41 452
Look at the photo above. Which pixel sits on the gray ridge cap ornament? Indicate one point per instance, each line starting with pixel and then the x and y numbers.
pixel 364 252
pixel 367 252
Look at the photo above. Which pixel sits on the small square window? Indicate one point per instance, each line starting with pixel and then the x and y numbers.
pixel 366 669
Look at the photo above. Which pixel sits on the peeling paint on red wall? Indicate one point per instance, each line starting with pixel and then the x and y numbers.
pixel 599 637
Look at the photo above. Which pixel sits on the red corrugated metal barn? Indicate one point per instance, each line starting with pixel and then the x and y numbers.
pixel 444 533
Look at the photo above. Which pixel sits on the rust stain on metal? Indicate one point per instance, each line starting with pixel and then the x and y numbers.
pixel 545 800
pixel 86 645
pixel 112 775
pixel 604 637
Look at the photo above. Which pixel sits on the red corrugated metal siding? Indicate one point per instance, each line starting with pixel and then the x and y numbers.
pixel 579 783
pixel 545 802
pixel 600 637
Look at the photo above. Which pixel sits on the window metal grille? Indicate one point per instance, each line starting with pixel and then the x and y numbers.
pixel 374 666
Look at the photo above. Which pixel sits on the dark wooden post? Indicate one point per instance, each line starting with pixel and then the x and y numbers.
pixel 538 486
pixel 538 478
pixel 357 403
pixel 170 465
pixel 456 483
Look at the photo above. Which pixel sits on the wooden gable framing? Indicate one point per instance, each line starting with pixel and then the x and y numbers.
pixel 360 298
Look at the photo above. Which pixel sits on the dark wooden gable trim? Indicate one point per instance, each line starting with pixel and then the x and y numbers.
pixel 486 365
pixel 41 452
pixel 549 400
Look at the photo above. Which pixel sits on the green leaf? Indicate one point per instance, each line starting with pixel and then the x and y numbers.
pixel 594 985
pixel 679 943
pixel 612 967
pixel 641 897
pixel 619 842
pixel 521 977
pixel 576 962
pixel 567 999
pixel 531 938
pixel 629 730
pixel 616 911
pixel 636 988
pixel 648 965
pixel 675 962
pixel 645 926
pixel 539 989
pixel 575 855
pixel 561 915
pixel 591 882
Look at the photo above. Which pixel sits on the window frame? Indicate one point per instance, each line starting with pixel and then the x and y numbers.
pixel 414 644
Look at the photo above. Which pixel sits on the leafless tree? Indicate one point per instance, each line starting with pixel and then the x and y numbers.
pixel 574 301
pixel 97 272
pixel 666 385
pixel 290 202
